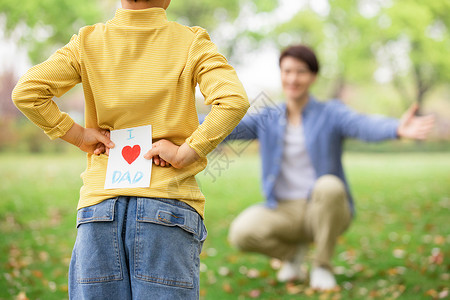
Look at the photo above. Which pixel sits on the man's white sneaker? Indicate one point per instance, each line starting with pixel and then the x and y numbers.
pixel 292 269
pixel 322 279
pixel 288 272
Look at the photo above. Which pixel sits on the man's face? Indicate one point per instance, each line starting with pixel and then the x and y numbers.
pixel 296 78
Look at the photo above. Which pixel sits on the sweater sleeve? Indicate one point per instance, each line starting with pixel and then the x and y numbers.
pixel 369 128
pixel 222 90
pixel 33 94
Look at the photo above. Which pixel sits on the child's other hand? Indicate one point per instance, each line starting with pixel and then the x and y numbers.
pixel 90 140
pixel 101 148
pixel 96 141
pixel 160 162
pixel 166 152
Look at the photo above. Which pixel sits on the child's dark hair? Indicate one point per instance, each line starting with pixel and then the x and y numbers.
pixel 302 53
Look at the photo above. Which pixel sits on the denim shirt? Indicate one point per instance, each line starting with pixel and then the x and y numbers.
pixel 325 125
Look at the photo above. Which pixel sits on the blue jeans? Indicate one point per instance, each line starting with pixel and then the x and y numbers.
pixel 137 248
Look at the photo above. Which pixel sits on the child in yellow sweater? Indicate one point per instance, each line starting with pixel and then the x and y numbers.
pixel 138 69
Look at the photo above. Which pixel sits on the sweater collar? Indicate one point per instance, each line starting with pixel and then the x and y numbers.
pixel 150 17
pixel 309 106
pixel 312 102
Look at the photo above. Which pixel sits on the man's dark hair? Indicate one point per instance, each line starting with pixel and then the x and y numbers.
pixel 302 53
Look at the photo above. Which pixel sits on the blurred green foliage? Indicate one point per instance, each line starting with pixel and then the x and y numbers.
pixel 22 136
pixel 43 25
pixel 424 26
pixel 353 37
pixel 210 13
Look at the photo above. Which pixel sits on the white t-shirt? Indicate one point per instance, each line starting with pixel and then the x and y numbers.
pixel 297 175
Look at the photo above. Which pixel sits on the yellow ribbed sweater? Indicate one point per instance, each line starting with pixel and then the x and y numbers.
pixel 139 69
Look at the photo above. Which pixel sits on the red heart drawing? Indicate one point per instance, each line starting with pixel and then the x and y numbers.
pixel 130 154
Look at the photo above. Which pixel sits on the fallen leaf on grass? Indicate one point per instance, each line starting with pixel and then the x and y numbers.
pixel 329 295
pixel 55 217
pixel 399 253
pixel 396 271
pixel 293 289
pixel 373 294
pixel 363 291
pixel 203 267
pixel 232 259
pixel 275 263
pixel 211 278
pixel 10 224
pixel 437 257
pixel 436 294
pixel 243 270
pixel 224 271
pixel 439 240
pixel 445 276
pixel 254 293
pixel 309 292
pixel 349 256
pixel 211 252
pixel 253 273
pixel 202 292
pixel 22 296
pixel 64 288
pixel 324 297
pixel 443 294
pixel 227 288
pixel 358 268
pixel 44 256
pixel 271 281
pixel 37 273
pixel 347 285
pixel 336 297
pixel 431 293
pixel 52 286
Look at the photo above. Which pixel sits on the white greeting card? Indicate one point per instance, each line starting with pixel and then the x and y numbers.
pixel 127 167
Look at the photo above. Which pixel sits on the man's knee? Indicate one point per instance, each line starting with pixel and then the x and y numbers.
pixel 330 210
pixel 245 236
pixel 329 188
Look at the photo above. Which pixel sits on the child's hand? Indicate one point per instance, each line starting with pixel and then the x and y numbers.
pixel 160 162
pixel 101 148
pixel 96 141
pixel 165 152
pixel 90 140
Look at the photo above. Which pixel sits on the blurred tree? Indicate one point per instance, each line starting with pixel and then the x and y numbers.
pixel 306 27
pixel 349 32
pixel 41 26
pixel 340 34
pixel 204 13
pixel 212 13
pixel 226 20
pixel 420 32
pixel 354 38
pixel 7 83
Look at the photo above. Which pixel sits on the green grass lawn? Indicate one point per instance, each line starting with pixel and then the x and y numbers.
pixel 398 246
